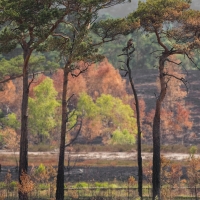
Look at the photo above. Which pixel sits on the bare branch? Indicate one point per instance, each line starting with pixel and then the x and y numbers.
pixel 73 113
pixel 19 76
pixel 128 53
pixel 125 74
pixel 76 136
pixel 184 81
pixel 80 72
pixel 123 54
pixel 123 70
pixel 190 58
pixel 69 98
pixel 173 62
pixel 33 77
pixel 11 78
pixel 122 62
pixel 86 65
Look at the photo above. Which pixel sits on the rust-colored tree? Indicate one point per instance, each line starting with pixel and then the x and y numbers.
pixel 99 80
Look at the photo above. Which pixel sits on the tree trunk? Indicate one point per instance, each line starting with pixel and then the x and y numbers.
pixel 60 175
pixel 139 150
pixel 156 131
pixel 156 152
pixel 23 158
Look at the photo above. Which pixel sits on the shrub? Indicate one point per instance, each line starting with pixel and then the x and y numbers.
pixel 13 185
pixel 192 151
pixel 101 184
pixel 122 137
pixel 40 170
pixel 43 186
pixel 81 185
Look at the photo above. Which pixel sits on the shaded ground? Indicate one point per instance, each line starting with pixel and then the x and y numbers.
pixel 93 174
pixel 88 174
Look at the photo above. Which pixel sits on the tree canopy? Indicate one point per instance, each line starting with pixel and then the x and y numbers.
pixel 42 109
pixel 109 113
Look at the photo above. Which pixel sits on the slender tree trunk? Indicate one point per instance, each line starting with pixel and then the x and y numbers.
pixel 156 152
pixel 23 158
pixel 156 131
pixel 139 150
pixel 60 175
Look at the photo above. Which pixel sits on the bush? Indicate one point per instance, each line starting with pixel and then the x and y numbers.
pixel 2 185
pixel 40 170
pixel 43 186
pixel 101 184
pixel 81 185
pixel 122 137
pixel 13 185
pixel 113 186
pixel 192 151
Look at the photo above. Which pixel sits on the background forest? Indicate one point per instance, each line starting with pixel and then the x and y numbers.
pixel 105 81
pixel 73 73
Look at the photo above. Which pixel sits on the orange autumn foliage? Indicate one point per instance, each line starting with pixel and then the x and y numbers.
pixel 103 78
pixel 7 92
pixel 76 85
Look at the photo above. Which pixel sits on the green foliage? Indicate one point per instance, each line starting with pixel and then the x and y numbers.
pixel 156 10
pixel 13 66
pixel 42 109
pixel 86 106
pixel 21 19
pixel 1 114
pixel 114 27
pixel 40 169
pixel 11 121
pixel 13 185
pixel 114 110
pixel 109 110
pixel 1 139
pixel 101 184
pixel 82 185
pixel 43 186
pixel 192 151
pixel 122 137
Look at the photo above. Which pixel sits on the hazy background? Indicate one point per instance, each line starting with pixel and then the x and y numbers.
pixel 126 8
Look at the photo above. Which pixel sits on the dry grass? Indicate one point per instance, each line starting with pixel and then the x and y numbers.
pixel 47 160
pixel 52 160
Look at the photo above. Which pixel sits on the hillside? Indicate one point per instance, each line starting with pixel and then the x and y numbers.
pixel 147 89
pixel 105 79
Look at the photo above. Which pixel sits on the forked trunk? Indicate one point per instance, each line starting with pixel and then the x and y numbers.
pixel 60 174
